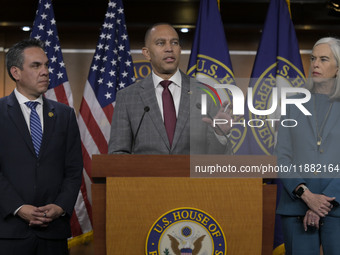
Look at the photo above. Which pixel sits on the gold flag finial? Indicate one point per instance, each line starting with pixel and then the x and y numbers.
pixel 288 4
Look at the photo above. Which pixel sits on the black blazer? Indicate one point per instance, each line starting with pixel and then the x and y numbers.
pixel 52 177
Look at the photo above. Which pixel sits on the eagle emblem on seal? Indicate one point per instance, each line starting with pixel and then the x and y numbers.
pixel 188 247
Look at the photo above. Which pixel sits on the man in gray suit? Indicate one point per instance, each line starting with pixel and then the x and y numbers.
pixel 144 123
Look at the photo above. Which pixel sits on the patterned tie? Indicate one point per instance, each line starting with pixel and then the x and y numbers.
pixel 169 111
pixel 35 126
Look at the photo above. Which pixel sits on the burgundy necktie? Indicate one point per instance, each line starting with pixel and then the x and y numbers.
pixel 169 112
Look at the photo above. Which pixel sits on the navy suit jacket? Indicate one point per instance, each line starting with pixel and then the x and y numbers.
pixel 52 177
pixel 297 146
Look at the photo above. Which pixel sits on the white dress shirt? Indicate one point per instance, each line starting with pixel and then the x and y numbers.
pixel 175 88
pixel 26 111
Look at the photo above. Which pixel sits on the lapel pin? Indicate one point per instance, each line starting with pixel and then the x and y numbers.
pixel 50 114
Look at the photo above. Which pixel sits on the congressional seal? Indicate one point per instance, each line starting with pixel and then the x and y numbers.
pixel 186 231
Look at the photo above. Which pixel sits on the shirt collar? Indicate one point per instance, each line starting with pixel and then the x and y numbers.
pixel 22 99
pixel 176 79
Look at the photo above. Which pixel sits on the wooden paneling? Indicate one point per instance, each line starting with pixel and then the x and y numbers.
pixel 134 204
pixel 9 84
pixel 118 170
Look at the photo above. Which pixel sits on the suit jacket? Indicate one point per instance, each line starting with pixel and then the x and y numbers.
pixel 297 146
pixel 52 177
pixel 152 137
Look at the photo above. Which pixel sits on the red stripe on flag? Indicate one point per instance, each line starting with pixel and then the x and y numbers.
pixel 75 226
pixel 61 94
pixel 108 110
pixel 87 161
pixel 86 200
pixel 93 127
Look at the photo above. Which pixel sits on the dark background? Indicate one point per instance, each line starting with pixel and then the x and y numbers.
pixel 245 18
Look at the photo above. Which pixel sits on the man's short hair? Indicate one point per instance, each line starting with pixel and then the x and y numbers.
pixel 15 56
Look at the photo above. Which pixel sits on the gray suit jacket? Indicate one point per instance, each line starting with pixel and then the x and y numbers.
pixel 297 146
pixel 152 137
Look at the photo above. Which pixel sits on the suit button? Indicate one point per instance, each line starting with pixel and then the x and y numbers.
pixel 321 151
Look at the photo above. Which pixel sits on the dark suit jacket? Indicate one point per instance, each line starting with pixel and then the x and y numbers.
pixel 52 177
pixel 152 137
pixel 297 146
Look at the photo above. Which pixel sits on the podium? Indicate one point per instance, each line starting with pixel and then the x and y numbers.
pixel 130 192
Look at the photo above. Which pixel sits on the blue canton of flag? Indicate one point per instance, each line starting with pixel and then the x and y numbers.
pixel 45 29
pixel 112 67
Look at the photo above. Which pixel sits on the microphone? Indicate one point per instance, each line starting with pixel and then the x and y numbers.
pixel 229 146
pixel 146 109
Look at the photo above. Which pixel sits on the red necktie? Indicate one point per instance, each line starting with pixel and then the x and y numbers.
pixel 169 112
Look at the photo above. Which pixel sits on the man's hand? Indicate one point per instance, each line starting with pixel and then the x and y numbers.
pixel 33 216
pixel 51 211
pixel 225 113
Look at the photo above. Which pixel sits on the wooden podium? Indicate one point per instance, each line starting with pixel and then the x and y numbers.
pixel 130 192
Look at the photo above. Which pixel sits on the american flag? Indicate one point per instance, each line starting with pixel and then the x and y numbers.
pixel 111 70
pixel 45 29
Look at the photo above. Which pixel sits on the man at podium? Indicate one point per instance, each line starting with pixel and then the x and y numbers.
pixel 161 114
